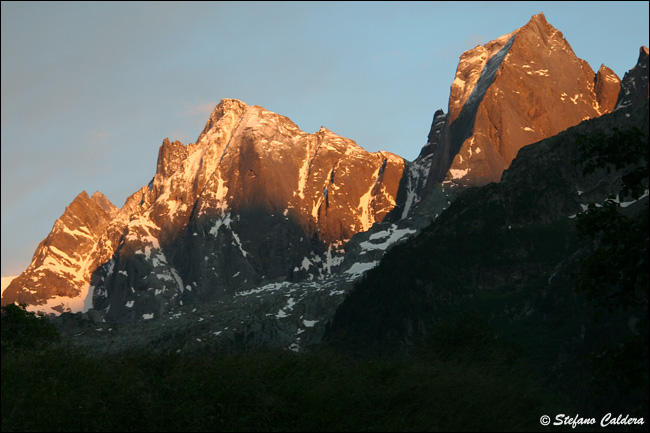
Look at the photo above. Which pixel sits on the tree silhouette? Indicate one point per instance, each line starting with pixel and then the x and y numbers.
pixel 22 329
pixel 615 274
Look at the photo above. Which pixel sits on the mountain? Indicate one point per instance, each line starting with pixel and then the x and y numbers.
pixel 254 199
pixel 63 262
pixel 502 264
pixel 257 209
pixel 514 241
pixel 513 91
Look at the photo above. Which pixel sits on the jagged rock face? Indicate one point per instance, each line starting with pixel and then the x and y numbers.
pixel 634 88
pixel 516 90
pixel 607 86
pixel 502 237
pixel 254 199
pixel 57 279
pixel 331 187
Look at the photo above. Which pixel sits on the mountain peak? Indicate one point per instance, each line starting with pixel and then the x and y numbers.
pixel 56 279
pixel 103 202
pixel 230 103
pixel 539 26
pixel 520 88
pixel 540 35
pixel 254 198
pixel 231 108
pixel 538 18
pixel 634 87
pixel 473 62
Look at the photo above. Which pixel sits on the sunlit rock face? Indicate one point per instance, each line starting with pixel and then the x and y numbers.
pixel 57 278
pixel 325 183
pixel 254 199
pixel 511 92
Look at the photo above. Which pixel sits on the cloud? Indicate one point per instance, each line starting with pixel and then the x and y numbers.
pixel 203 109
pixel 189 122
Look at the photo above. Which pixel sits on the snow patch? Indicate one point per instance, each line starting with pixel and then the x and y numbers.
pixel 225 220
pixel 392 235
pixel 458 174
pixel 290 304
pixel 541 72
pixel 78 232
pixel 272 287
pixel 360 268
pixel 57 304
pixel 367 219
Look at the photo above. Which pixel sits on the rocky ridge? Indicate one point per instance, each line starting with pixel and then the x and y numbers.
pixel 254 200
pixel 59 274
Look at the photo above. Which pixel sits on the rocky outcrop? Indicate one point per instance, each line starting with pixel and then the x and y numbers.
pixel 607 86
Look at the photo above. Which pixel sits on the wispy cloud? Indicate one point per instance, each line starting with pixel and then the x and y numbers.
pixel 203 109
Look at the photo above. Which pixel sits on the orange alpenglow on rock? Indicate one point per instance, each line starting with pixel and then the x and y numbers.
pixel 256 200
pixel 516 90
pixel 251 199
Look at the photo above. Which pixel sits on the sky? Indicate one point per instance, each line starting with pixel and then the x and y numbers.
pixel 90 90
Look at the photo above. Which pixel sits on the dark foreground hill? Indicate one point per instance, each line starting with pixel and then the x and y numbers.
pixel 509 254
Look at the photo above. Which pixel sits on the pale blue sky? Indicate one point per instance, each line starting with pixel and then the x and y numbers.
pixel 90 90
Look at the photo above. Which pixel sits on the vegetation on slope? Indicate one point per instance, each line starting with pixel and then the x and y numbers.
pixel 479 386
